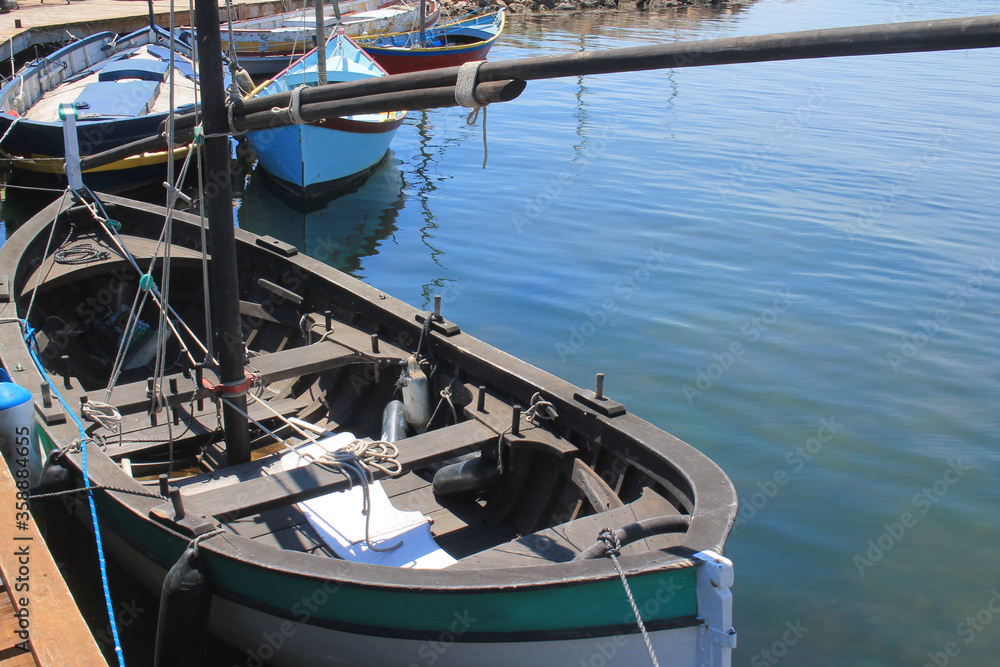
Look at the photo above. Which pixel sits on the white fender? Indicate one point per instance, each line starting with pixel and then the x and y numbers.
pixel 416 396
pixel 18 436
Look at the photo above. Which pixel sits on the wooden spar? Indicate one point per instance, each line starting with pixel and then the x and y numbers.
pixel 218 208
pixel 427 98
pixel 916 36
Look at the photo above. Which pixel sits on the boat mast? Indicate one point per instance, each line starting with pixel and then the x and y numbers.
pixel 218 207
pixel 421 18
pixel 321 43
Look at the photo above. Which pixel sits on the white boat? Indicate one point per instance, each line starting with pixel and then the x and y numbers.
pixel 267 44
pixel 327 157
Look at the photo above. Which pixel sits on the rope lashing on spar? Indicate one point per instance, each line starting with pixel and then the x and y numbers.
pixel 294 109
pixel 465 95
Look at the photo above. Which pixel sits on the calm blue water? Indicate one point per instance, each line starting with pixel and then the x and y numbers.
pixel 755 255
pixel 792 266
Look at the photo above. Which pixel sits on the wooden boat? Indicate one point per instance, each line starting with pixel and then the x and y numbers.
pixel 445 45
pixel 315 160
pixel 518 471
pixel 268 44
pixel 119 88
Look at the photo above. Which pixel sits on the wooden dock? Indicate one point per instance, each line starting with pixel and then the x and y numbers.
pixel 43 21
pixel 37 610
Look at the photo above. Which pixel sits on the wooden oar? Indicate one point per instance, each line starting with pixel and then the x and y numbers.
pixel 916 36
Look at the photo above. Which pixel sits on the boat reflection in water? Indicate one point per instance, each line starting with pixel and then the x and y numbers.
pixel 342 232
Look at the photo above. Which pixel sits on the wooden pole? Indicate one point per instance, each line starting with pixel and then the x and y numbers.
pixel 320 44
pixel 218 207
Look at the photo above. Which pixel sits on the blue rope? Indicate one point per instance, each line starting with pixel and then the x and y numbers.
pixel 29 339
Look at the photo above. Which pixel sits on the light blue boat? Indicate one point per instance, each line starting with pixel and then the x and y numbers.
pixel 332 155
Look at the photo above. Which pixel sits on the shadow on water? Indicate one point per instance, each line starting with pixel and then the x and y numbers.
pixel 341 233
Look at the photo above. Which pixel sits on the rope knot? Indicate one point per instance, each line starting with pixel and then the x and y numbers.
pixel 614 546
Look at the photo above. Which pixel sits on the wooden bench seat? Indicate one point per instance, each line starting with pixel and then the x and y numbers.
pixel 292 486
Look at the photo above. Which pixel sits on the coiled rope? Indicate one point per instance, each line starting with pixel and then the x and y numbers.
pixel 81 253
pixel 362 459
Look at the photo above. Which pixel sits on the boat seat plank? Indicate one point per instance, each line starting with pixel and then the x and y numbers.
pixel 355 339
pixel 258 525
pixel 322 356
pixel 292 486
pixel 193 427
pixel 498 416
pixel 397 486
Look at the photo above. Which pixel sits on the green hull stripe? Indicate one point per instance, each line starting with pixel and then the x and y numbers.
pixel 661 596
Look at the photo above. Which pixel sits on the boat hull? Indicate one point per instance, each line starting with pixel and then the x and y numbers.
pixel 291 621
pixel 318 161
pixel 395 62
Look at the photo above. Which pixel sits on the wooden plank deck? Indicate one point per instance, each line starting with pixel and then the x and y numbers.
pixel 42 21
pixel 57 633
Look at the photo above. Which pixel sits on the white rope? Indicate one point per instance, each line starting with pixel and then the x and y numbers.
pixel 294 108
pixel 359 458
pixel 465 85
pixel 539 408
pixel 465 95
pixel 102 413
pixel 362 459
